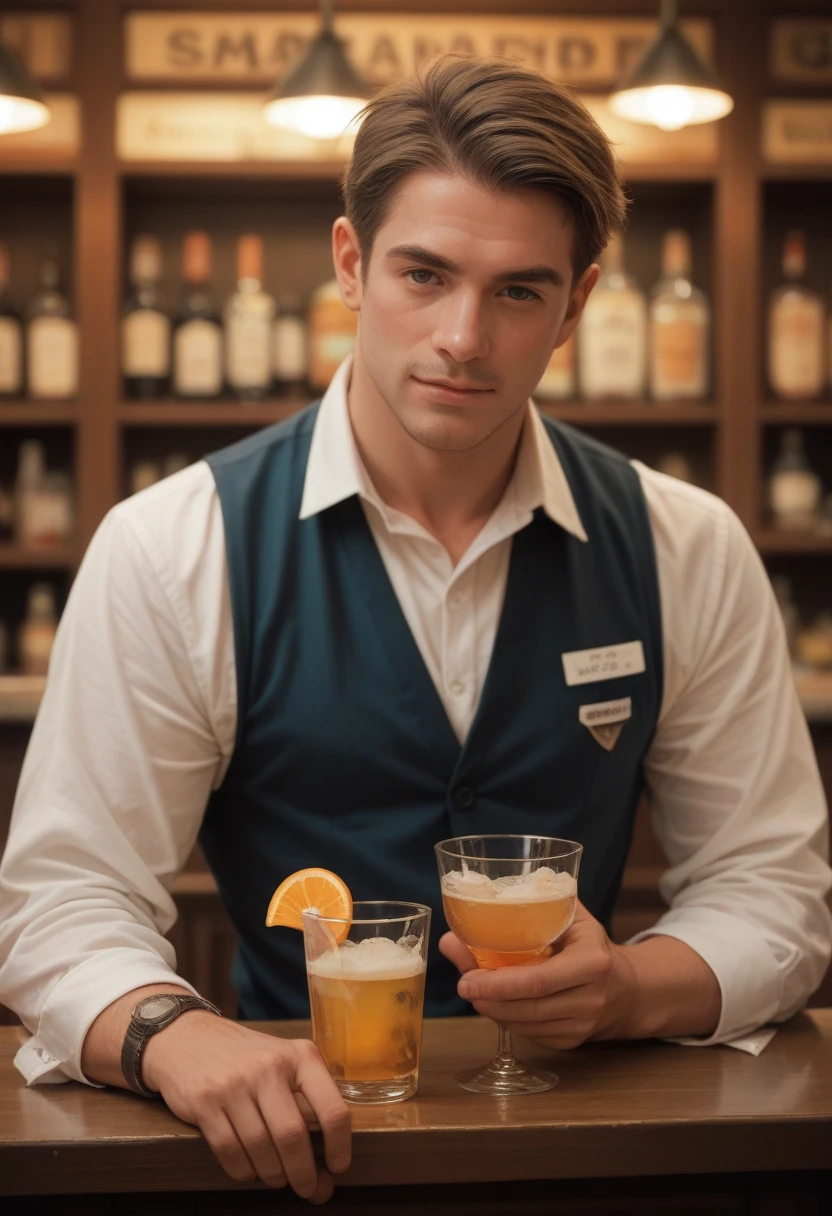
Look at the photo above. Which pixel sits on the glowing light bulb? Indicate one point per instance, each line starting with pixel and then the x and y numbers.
pixel 318 117
pixel 670 106
pixel 21 114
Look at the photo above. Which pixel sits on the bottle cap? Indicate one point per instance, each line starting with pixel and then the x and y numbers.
pixel 196 258
pixel 676 254
pixel 794 255
pixel 250 257
pixel 145 260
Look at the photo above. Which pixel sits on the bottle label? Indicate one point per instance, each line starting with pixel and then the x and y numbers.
pixel 795 494
pixel 680 358
pixel 248 351
pixel 11 356
pixel 613 346
pixel 289 350
pixel 53 357
pixel 796 367
pixel 36 643
pixel 146 343
pixel 197 347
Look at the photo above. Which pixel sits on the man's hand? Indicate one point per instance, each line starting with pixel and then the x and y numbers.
pixel 591 988
pixel 253 1096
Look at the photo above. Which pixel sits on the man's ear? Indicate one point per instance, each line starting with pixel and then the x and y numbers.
pixel 577 302
pixel 346 257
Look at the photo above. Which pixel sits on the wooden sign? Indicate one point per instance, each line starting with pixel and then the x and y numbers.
pixel 255 48
pixel 801 51
pixel 60 137
pixel 797 132
pixel 44 43
pixel 229 126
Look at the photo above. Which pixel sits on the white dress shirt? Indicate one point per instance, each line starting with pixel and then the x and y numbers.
pixel 138 722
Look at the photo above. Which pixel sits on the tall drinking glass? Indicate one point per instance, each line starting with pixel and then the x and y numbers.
pixel 509 899
pixel 366 988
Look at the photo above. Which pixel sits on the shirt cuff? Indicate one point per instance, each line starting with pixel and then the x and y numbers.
pixel 747 972
pixel 53 1053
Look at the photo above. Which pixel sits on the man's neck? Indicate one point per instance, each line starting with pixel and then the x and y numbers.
pixel 452 494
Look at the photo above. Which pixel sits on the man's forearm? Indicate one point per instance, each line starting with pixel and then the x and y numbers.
pixel 101 1055
pixel 666 990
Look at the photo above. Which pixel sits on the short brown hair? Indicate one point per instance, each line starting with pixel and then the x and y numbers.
pixel 504 126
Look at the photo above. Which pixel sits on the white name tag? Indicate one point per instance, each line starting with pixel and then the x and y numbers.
pixel 605 713
pixel 603 663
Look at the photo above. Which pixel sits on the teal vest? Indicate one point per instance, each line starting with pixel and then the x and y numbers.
pixel 345 757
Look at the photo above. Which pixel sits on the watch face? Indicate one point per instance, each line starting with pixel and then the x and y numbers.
pixel 156 1008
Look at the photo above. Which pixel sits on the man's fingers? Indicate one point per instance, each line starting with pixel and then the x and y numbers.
pixel 572 968
pixel 257 1140
pixel 457 953
pixel 315 1084
pixel 218 1130
pixel 561 1006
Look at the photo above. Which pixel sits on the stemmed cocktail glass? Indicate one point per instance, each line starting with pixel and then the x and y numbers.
pixel 508 899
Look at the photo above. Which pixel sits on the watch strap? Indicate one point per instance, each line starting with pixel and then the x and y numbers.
pixel 139 1032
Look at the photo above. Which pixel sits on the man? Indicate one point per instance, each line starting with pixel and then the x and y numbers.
pixel 377 626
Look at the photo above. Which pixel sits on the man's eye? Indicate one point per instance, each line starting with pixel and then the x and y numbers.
pixel 420 276
pixel 522 293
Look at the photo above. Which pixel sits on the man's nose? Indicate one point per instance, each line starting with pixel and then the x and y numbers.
pixel 461 332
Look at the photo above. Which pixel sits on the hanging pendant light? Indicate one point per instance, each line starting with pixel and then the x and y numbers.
pixel 323 94
pixel 671 87
pixel 22 104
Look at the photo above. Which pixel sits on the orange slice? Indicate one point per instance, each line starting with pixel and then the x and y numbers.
pixel 316 889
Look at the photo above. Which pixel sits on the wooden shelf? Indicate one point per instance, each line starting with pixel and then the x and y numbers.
pixel 669 172
pixel 209 413
pixel 15 557
pixel 800 413
pixel 584 413
pixel 20 697
pixel 270 170
pixel 37 413
pixel 13 166
pixel 769 541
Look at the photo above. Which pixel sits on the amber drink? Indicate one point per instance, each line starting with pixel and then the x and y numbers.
pixel 366 991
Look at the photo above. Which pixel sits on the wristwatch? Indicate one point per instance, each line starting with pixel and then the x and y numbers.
pixel 150 1016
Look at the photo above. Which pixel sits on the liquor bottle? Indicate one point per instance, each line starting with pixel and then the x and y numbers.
pixel 289 345
pixel 794 490
pixel 28 488
pixel 249 314
pixel 197 337
pixel 332 331
pixel 558 382
pixel 612 343
pixel 680 323
pixel 814 644
pixel 143 474
pixel 782 587
pixel 796 329
pixel 7 514
pixel 37 633
pixel 51 339
pixel 145 326
pixel 11 335
pixel 676 464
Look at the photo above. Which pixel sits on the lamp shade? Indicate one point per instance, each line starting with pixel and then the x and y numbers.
pixel 322 95
pixel 671 87
pixel 22 105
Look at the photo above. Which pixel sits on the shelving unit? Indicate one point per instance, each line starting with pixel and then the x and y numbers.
pixel 731 206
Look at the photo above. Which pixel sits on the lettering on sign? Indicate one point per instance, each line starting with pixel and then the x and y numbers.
pixel 44 43
pixel 797 132
pixel 255 48
pixel 801 51
pixel 229 126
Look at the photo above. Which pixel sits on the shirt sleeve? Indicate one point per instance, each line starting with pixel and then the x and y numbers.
pixel 120 765
pixel 738 803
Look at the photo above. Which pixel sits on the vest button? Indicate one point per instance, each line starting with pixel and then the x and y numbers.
pixel 464 797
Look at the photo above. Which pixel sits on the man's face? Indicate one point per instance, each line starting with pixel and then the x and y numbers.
pixel 461 305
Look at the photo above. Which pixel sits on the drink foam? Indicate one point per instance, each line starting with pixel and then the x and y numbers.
pixel 375 958
pixel 537 886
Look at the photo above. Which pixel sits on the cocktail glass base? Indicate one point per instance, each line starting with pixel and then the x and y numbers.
pixel 374 1093
pixel 505 1080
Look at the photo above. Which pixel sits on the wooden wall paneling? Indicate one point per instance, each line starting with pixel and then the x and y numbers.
pixel 98 260
pixel 741 51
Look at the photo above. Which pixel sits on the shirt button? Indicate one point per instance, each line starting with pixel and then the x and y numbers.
pixel 457 688
pixel 464 797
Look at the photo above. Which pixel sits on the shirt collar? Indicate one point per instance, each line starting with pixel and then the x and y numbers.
pixel 335 471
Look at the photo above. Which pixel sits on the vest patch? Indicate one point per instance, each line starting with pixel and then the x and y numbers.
pixel 603 663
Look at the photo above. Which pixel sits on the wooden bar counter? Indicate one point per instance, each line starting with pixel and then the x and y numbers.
pixel 648 1127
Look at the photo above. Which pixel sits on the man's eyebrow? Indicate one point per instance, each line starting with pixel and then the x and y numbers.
pixel 530 274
